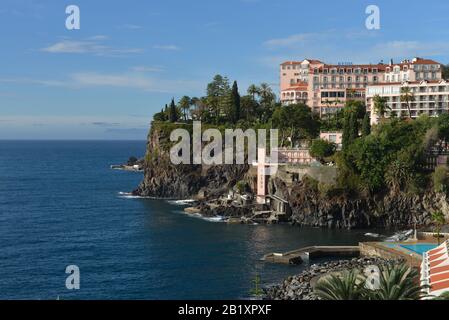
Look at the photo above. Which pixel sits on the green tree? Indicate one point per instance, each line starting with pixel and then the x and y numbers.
pixel 446 71
pixel 439 220
pixel 366 125
pixel 380 106
pixel 185 104
pixel 407 97
pixel 235 103
pixel 440 179
pixel 173 112
pixel 252 91
pixel 321 149
pixel 350 128
pixel 218 96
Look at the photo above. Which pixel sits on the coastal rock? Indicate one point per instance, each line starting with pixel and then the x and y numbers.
pixel 300 287
pixel 162 179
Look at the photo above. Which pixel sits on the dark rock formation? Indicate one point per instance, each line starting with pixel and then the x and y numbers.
pixel 162 179
pixel 308 205
pixel 300 287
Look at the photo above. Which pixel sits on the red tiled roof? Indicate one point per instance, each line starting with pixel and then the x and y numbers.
pixel 436 256
pixel 435 251
pixel 439 277
pixel 436 263
pixel 439 269
pixel 440 286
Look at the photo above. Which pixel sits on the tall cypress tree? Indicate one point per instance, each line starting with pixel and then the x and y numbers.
pixel 366 126
pixel 235 103
pixel 354 126
pixel 173 112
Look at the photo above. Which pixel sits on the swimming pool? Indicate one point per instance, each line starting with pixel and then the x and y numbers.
pixel 419 248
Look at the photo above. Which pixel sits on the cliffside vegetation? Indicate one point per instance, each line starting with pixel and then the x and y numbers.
pixel 395 155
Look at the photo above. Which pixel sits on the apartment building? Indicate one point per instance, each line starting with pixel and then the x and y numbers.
pixel 326 87
pixel 429 97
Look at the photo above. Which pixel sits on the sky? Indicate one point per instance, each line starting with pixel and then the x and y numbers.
pixel 129 58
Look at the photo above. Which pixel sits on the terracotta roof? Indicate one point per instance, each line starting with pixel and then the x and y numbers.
pixel 312 61
pixel 440 286
pixel 435 269
pixel 409 82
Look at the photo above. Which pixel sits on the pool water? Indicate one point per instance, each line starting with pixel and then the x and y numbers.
pixel 419 248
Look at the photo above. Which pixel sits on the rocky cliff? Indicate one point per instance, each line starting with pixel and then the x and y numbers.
pixel 391 209
pixel 309 206
pixel 162 179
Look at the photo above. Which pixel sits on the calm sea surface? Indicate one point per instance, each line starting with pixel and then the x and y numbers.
pixel 61 205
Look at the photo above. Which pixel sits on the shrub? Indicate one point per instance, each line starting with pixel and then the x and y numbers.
pixel 440 179
pixel 321 149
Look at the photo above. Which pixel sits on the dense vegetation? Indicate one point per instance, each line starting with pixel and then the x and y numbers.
pixel 224 107
pixel 392 155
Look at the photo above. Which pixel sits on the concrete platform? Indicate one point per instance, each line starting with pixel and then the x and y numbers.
pixel 312 252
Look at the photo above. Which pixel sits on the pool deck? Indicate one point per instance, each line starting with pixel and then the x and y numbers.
pixel 312 252
pixel 386 250
pixel 393 250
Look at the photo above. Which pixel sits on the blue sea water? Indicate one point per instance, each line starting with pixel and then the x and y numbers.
pixel 60 205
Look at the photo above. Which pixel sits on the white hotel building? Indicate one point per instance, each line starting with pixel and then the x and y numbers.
pixel 429 97
pixel 424 78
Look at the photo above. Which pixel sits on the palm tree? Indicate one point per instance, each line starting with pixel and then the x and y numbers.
pixel 185 104
pixel 439 220
pixel 253 90
pixel 407 96
pixel 347 286
pixel 398 282
pixel 380 105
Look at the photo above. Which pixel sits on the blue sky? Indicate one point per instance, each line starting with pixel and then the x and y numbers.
pixel 129 58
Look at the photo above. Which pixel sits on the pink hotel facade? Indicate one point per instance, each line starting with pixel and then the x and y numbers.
pixel 326 87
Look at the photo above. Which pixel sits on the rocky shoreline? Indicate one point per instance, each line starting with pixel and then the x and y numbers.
pixel 300 287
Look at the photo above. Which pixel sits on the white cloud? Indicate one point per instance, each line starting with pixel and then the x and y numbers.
pixel 166 47
pixel 295 39
pixel 92 45
pixel 136 81
pixel 130 26
pixel 147 69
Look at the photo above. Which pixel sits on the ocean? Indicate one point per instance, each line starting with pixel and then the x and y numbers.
pixel 61 205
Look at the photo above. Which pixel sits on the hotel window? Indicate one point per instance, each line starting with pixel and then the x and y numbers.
pixel 324 79
pixel 349 70
pixel 341 71
pixel 375 79
pixel 365 71
pixel 342 79
pixel 325 71
pixel 357 79
pixel 375 70
pixel 365 79
pixel 357 70
pixel 349 79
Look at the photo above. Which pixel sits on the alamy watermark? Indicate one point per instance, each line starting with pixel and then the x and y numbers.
pixel 72 282
pixel 372 22
pixel 73 21
pixel 207 147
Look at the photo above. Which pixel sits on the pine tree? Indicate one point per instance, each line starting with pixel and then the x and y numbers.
pixel 235 103
pixel 350 128
pixel 366 126
pixel 173 113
